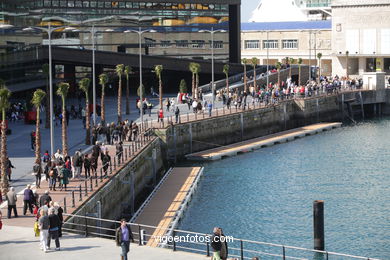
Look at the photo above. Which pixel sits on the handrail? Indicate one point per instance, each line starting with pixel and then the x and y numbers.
pixel 235 239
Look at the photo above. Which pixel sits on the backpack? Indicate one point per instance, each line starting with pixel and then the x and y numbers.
pixel 36 169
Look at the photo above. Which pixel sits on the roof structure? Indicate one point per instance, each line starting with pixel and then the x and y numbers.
pixel 277 11
pixel 280 26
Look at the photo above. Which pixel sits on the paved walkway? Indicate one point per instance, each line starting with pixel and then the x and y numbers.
pixel 20 243
pixel 265 141
pixel 166 203
pixel 93 184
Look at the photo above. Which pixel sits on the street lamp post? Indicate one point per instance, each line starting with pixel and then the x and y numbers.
pixel 139 32
pixel 309 55
pixel 212 31
pixel 93 75
pixel 49 31
pixel 267 59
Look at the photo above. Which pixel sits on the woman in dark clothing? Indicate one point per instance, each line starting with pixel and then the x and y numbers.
pixel 59 211
pixel 55 223
pixel 87 166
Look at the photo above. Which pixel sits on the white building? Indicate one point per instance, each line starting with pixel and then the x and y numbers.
pixel 361 29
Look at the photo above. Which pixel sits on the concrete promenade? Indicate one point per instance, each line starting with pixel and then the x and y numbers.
pixel 88 188
pixel 19 243
pixel 165 205
pixel 257 143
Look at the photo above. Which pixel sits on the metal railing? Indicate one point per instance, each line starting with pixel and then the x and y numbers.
pixel 240 248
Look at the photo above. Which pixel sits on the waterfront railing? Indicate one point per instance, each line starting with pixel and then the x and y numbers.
pixel 199 243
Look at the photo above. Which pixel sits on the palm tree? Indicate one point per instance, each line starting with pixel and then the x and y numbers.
pixel 195 69
pixel 254 62
pixel 62 91
pixel 4 104
pixel 299 71
pixel 226 71
pixel 158 70
pixel 103 79
pixel 292 61
pixel 84 86
pixel 192 68
pixel 119 72
pixel 346 58
pixel 37 98
pixel 319 56
pixel 278 66
pixel 128 70
pixel 183 86
pixel 45 71
pixel 245 62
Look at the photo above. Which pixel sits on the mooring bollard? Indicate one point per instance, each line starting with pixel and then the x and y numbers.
pixel 81 195
pixel 101 174
pixel 318 225
pixel 86 187
pixel 73 203
pixel 90 184
pixel 188 117
pixel 96 181
pixel 115 163
pixel 65 205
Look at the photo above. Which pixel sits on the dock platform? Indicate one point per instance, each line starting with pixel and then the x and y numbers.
pixel 165 206
pixel 257 143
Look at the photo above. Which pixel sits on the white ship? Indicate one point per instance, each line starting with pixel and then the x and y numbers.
pixel 291 10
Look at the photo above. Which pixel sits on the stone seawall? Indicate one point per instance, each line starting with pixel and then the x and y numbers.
pixel 204 134
pixel 118 195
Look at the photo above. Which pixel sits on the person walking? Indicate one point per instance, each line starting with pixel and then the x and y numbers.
pixel 216 244
pixel 210 108
pixel 44 198
pixel 177 114
pixel 224 246
pixel 87 166
pixel 44 224
pixel 11 199
pixel 8 168
pixel 106 159
pixel 28 198
pixel 77 164
pixel 119 151
pixel 55 223
pixel 37 171
pixel 65 174
pixel 123 235
pixel 53 177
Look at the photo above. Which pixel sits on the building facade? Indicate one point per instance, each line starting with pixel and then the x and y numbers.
pixel 177 25
pixel 272 42
pixel 361 36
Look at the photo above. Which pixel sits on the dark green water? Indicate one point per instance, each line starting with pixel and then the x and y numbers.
pixel 267 195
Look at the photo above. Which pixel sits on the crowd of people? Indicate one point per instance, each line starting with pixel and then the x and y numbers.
pixel 114 133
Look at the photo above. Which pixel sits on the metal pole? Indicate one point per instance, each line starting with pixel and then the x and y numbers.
pixel 51 94
pixel 73 204
pixel 315 52
pixel 140 74
pixel 267 59
pixel 93 75
pixel 212 66
pixel 309 55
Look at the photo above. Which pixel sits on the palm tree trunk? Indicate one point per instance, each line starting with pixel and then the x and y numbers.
pixel 160 92
pixel 4 177
pixel 127 96
pixel 64 131
pixel 245 87
pixel 120 100
pixel 254 78
pixel 102 107
pixel 299 75
pixel 279 78
pixel 290 72
pixel 227 84
pixel 193 85
pixel 87 122
pixel 38 137
pixel 196 85
pixel 47 106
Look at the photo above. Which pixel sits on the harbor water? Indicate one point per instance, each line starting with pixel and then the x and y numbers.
pixel 267 195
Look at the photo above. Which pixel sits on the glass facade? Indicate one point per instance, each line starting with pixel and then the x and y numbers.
pixel 177 25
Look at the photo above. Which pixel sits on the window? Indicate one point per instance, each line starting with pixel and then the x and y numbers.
pixel 47 3
pixel 182 44
pixel 217 44
pixel 150 42
pixel 270 44
pixel 252 44
pixel 290 44
pixel 198 44
pixel 385 41
pixel 165 44
pixel 369 41
pixel 352 41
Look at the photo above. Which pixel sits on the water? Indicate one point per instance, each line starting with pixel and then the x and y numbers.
pixel 267 195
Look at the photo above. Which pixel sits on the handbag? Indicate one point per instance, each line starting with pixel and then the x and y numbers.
pixel 36 229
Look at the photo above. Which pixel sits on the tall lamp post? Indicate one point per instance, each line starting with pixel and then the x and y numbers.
pixel 49 31
pixel 267 58
pixel 212 31
pixel 140 32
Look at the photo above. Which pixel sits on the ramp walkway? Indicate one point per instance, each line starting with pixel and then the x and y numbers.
pixel 165 206
pixel 257 143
